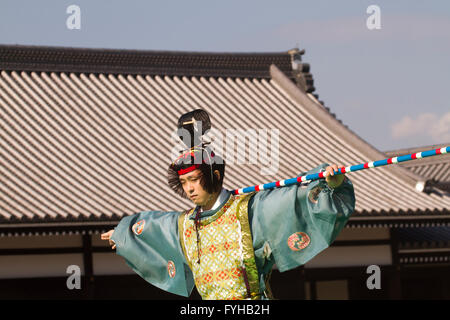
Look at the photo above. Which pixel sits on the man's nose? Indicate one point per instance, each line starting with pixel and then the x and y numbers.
pixel 190 186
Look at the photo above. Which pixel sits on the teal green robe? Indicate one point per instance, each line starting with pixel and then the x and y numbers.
pixel 316 210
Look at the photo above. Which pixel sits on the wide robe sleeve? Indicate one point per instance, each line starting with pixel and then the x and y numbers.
pixel 150 244
pixel 298 222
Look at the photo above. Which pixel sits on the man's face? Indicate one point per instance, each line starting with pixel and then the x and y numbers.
pixel 192 187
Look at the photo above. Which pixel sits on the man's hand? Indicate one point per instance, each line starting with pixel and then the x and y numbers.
pixel 107 236
pixel 334 181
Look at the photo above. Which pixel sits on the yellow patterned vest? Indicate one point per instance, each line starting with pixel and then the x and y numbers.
pixel 226 269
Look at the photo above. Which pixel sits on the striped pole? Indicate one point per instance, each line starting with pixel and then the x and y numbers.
pixel 367 165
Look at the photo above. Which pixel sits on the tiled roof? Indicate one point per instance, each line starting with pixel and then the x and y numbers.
pixel 437 236
pixel 95 146
pixel 436 169
pixel 423 245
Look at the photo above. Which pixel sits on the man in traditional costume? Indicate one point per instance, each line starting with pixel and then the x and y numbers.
pixel 228 244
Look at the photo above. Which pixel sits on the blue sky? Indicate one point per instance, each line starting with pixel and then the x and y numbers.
pixel 390 86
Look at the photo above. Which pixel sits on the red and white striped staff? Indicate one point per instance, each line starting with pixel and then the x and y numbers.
pixel 367 165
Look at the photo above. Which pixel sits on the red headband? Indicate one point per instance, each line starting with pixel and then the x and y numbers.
pixel 189 169
pixel 190 152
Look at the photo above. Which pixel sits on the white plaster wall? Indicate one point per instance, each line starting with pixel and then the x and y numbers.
pixel 364 234
pixel 60 241
pixel 110 264
pixel 352 256
pixel 34 266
